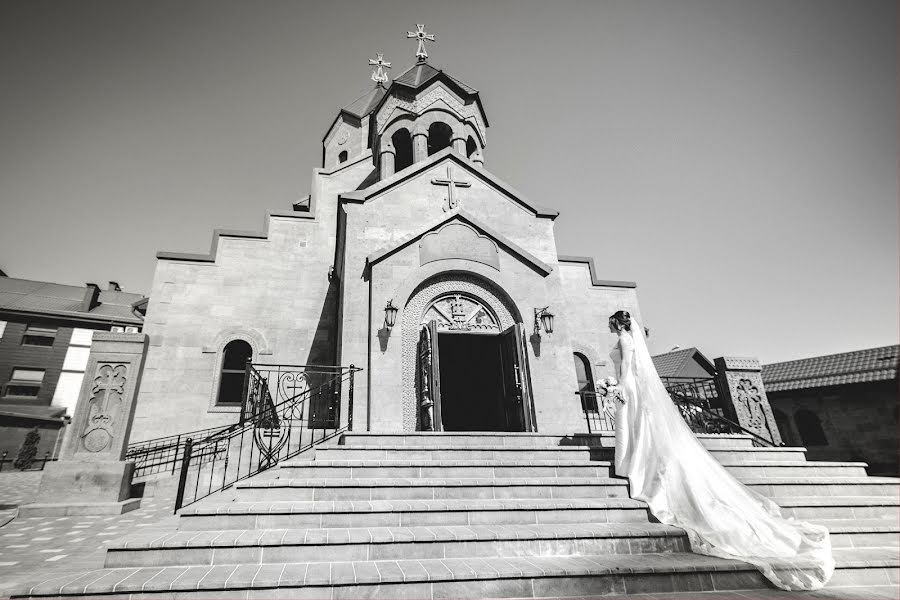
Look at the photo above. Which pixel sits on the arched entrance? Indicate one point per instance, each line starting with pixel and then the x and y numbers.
pixel 467 359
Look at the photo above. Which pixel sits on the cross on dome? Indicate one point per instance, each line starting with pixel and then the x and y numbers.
pixel 420 35
pixel 379 76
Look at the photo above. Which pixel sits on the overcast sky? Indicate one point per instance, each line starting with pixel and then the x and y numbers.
pixel 738 159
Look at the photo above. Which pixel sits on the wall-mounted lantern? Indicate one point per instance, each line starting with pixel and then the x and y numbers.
pixel 543 318
pixel 390 314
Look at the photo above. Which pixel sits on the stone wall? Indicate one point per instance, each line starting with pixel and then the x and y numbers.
pixel 271 290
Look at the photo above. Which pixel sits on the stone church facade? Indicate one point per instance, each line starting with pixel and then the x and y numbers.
pixel 403 213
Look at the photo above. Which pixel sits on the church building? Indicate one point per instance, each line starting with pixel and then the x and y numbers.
pixel 409 259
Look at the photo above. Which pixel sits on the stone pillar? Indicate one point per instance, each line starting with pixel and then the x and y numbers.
pixel 387 161
pixel 459 145
pixel 420 146
pixel 91 476
pixel 478 158
pixel 740 381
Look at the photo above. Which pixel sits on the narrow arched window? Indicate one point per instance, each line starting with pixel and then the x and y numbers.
pixel 471 147
pixel 810 428
pixel 231 379
pixel 585 382
pixel 402 142
pixel 342 157
pixel 439 137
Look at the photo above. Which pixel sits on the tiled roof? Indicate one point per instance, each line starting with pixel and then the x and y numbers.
pixel 671 364
pixel 421 73
pixel 366 103
pixel 861 366
pixel 58 299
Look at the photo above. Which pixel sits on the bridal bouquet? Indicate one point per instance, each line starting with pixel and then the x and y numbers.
pixel 608 389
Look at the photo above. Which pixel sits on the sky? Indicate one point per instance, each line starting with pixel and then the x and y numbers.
pixel 737 159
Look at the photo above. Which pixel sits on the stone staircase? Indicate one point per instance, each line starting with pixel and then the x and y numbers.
pixel 477 515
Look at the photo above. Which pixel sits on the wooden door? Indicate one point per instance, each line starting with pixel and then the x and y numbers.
pixel 517 397
pixel 428 378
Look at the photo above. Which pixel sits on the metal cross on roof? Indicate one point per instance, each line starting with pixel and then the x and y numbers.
pixel 450 183
pixel 420 35
pixel 378 75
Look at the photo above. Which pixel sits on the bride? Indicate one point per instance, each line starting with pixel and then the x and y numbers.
pixel 686 487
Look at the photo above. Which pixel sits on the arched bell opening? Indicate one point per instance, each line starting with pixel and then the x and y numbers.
pixel 403 147
pixel 440 136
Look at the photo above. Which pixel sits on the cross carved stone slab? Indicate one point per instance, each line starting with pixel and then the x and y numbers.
pixel 450 183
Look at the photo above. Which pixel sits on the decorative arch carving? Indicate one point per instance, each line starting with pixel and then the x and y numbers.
pixel 423 298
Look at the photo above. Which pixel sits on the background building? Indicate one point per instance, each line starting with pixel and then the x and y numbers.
pixel 45 339
pixel 840 406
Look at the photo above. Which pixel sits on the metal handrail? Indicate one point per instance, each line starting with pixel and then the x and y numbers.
pixel 274 426
pixel 165 453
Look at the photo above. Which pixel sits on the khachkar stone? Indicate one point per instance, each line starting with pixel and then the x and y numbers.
pixel 740 380
pixel 91 475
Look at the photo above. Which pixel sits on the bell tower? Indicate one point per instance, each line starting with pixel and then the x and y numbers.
pixel 421 112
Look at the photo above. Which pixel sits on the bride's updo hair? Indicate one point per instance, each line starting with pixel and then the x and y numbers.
pixel 620 320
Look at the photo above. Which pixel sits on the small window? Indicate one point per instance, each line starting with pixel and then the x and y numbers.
pixel 810 428
pixel 39 336
pixel 342 157
pixel 231 381
pixel 585 382
pixel 24 383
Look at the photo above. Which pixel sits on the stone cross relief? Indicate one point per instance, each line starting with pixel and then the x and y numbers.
pixel 450 183
pixel 106 397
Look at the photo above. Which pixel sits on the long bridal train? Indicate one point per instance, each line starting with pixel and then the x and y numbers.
pixel 685 486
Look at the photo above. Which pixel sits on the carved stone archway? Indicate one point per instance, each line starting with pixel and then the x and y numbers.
pixel 423 299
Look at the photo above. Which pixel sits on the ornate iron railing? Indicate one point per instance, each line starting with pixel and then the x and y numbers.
pixel 164 454
pixel 697 400
pixel 286 410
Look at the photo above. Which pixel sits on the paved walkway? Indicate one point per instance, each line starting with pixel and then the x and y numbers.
pixel 37 548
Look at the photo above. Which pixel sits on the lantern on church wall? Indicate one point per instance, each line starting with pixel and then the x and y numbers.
pixel 390 314
pixel 543 318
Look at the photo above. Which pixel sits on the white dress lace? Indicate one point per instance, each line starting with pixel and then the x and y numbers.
pixel 685 486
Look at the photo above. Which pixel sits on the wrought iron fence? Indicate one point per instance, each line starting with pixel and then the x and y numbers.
pixel 286 410
pixel 697 400
pixel 164 454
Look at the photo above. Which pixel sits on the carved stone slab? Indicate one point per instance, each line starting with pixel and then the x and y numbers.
pixel 741 381
pixel 458 240
pixel 102 421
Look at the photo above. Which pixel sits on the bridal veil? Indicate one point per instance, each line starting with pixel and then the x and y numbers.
pixel 685 486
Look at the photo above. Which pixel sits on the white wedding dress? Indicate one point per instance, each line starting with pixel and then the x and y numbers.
pixel 685 486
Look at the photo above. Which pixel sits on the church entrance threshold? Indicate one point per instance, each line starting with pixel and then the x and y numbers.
pixel 471 383
pixel 474 382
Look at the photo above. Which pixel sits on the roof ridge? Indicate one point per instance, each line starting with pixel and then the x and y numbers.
pixel 835 355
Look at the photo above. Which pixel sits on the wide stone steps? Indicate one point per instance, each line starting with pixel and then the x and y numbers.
pixel 392 543
pixel 431 488
pixel 840 507
pixel 425 468
pixel 447 452
pixel 863 533
pixel 476 515
pixel 785 487
pixel 410 513
pixel 469 577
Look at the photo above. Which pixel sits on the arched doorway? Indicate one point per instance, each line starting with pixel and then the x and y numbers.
pixel 467 355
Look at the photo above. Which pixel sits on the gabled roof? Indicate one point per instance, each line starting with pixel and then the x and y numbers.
pixel 671 364
pixel 60 300
pixel 462 216
pixel 365 103
pixel 861 366
pixel 422 74
pixel 385 185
